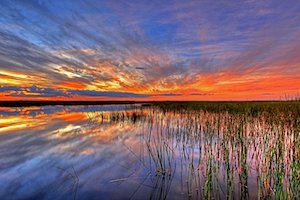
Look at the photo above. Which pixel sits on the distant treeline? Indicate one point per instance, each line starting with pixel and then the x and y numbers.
pixel 53 103
pixel 214 106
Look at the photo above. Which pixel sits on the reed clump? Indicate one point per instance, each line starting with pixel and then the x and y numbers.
pixel 223 149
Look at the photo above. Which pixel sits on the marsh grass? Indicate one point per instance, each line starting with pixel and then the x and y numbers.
pixel 220 149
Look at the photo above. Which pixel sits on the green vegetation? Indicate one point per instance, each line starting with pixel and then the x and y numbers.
pixel 244 107
pixel 223 149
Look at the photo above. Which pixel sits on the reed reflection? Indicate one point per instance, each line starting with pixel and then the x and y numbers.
pixel 153 152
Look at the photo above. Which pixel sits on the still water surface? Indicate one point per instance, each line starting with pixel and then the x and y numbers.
pixel 123 152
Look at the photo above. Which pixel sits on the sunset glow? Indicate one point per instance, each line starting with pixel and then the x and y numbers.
pixel 142 50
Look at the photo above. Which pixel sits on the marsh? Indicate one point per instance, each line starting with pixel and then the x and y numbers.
pixel 151 151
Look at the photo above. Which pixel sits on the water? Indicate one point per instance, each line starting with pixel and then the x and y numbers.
pixel 126 152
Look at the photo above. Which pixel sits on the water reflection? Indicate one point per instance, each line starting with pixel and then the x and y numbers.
pixel 126 152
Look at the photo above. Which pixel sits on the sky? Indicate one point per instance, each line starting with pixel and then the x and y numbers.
pixel 149 50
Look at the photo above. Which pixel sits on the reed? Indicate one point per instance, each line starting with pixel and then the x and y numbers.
pixel 223 149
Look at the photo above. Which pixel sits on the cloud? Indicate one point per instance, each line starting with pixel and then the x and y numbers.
pixel 167 94
pixel 105 94
pixel 201 94
pixel 9 88
pixel 35 91
pixel 119 48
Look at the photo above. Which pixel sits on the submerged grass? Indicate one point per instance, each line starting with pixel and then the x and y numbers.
pixel 224 149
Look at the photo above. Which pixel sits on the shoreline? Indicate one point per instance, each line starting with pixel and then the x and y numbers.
pixel 78 103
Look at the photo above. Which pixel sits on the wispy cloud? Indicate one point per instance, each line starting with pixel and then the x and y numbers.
pixel 117 47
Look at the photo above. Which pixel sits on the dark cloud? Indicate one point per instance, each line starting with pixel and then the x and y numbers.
pixel 168 94
pixel 201 94
pixel 106 94
pixel 35 91
pixel 9 88
pixel 47 92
